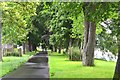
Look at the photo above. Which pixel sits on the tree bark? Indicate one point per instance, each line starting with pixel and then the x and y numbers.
pixel 23 48
pixel 66 49
pixel 86 32
pixel 26 46
pixel 117 68
pixel 89 35
pixel 34 47
pixel 0 39
pixel 60 46
pixel 55 49
pixel 70 50
pixel 51 48
pixel 20 52
pixel 67 43
pixel 30 46
pixel 89 43
pixel 59 49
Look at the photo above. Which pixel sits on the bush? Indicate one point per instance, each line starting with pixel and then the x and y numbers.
pixel 12 54
pixel 75 54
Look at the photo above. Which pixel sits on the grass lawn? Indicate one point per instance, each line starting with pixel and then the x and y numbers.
pixel 10 63
pixel 61 67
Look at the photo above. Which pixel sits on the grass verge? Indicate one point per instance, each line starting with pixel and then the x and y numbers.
pixel 11 63
pixel 61 67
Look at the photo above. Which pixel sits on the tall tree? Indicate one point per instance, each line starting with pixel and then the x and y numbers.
pixel 117 31
pixel 17 21
pixel 89 36
pixel 94 13
pixel 40 34
pixel 0 34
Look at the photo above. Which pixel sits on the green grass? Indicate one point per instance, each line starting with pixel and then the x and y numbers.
pixel 61 67
pixel 11 63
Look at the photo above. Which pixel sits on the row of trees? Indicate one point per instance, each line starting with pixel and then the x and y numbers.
pixel 66 24
pixel 58 25
pixel 62 21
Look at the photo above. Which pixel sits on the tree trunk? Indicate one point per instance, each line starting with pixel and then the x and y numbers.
pixel 89 43
pixel 51 48
pixel 26 47
pixel 20 52
pixel 30 46
pixel 59 49
pixel 60 46
pixel 66 49
pixel 34 47
pixel 81 47
pixel 86 32
pixel 23 48
pixel 55 49
pixel 0 39
pixel 67 43
pixel 70 50
pixel 117 68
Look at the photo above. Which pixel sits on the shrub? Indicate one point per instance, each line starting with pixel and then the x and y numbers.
pixel 12 54
pixel 75 54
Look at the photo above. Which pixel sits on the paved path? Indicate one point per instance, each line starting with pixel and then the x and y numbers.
pixel 36 68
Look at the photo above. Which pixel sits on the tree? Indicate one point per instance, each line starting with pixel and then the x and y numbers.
pixel 106 39
pixel 17 22
pixel 63 23
pixel 90 24
pixel 40 33
pixel 0 35
pixel 92 18
pixel 117 31
pixel 89 38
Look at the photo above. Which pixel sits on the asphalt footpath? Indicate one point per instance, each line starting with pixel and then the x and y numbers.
pixel 36 68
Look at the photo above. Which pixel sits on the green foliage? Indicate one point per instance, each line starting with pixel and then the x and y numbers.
pixel 64 23
pixel 78 27
pixel 105 40
pixel 98 11
pixel 110 34
pixel 30 21
pixel 17 20
pixel 40 24
pixel 56 16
